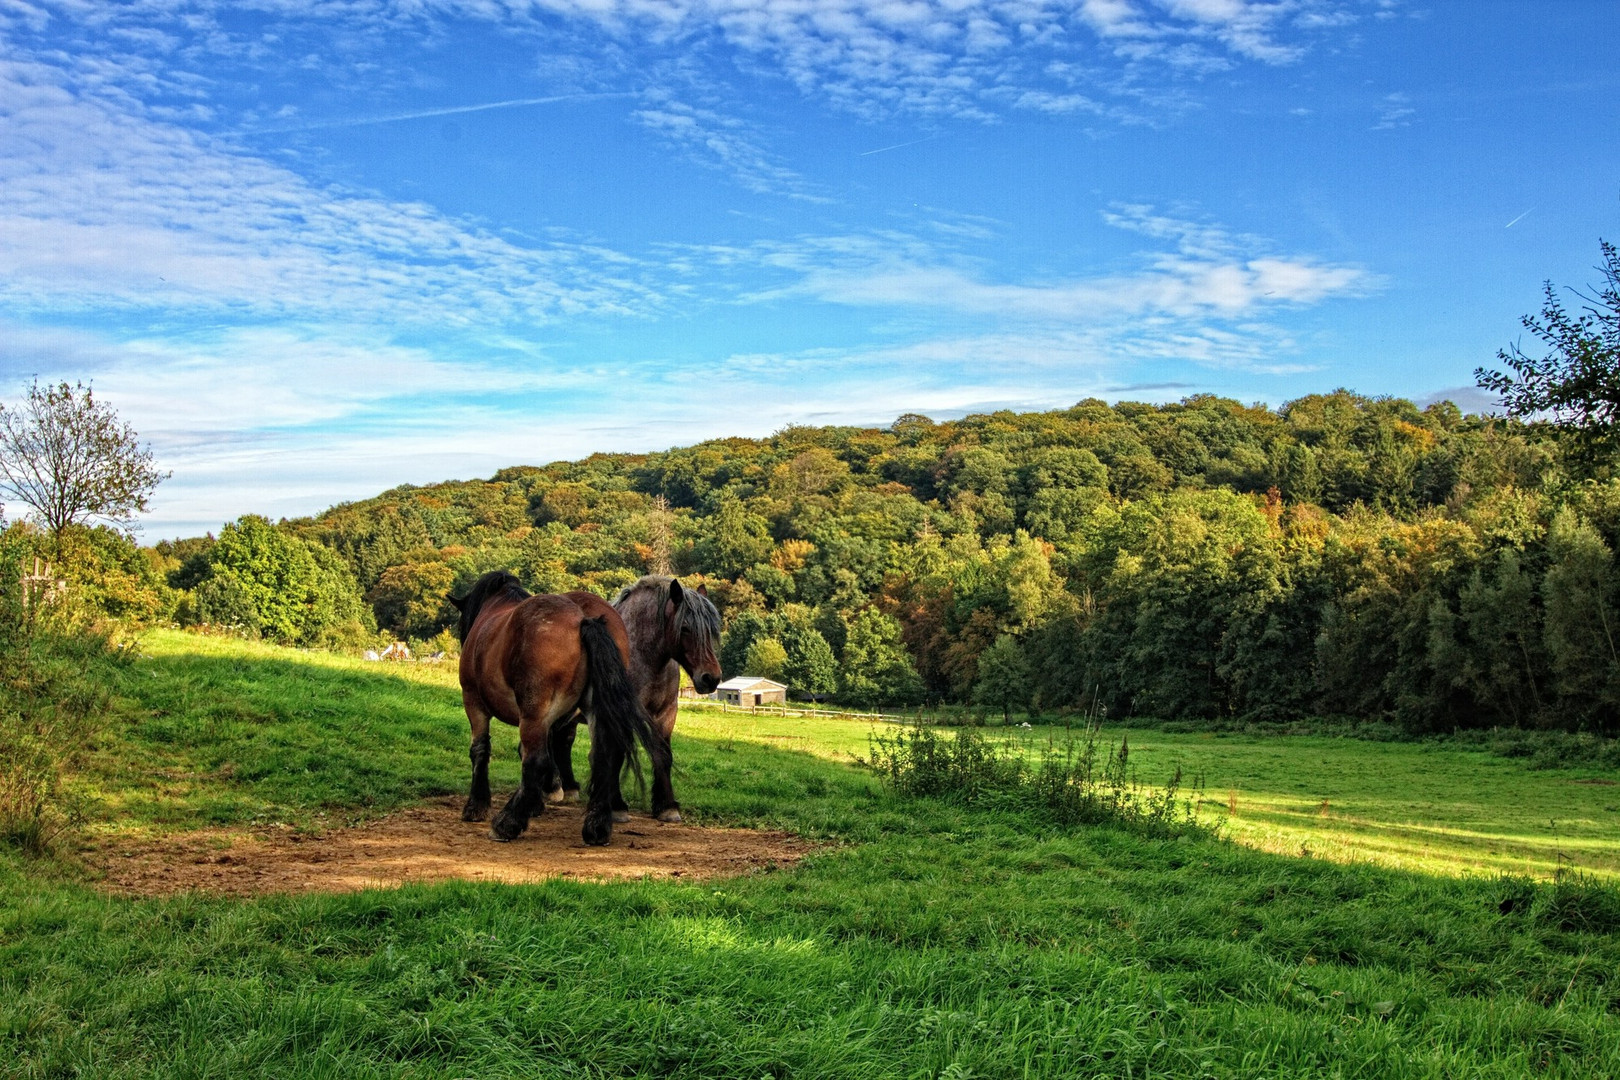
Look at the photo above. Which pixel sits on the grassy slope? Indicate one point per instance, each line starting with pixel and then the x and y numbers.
pixel 936 943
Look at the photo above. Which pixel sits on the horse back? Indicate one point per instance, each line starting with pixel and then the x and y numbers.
pixel 525 655
pixel 594 607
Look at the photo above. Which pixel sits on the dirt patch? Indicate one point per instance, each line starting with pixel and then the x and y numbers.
pixel 431 843
pixel 1597 783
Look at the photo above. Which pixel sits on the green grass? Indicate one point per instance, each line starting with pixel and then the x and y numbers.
pixel 926 941
pixel 1418 806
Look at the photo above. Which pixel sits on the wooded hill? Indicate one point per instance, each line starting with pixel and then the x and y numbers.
pixel 1197 560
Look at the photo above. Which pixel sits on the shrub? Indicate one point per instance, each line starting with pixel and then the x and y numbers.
pixel 1072 782
pixel 51 700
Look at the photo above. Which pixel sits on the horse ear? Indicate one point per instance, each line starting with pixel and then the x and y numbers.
pixel 458 604
pixel 703 590
pixel 676 593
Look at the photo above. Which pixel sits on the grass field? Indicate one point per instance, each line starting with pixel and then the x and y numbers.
pixel 1419 806
pixel 925 941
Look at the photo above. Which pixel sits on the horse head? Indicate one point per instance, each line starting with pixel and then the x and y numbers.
pixel 692 630
pixel 492 584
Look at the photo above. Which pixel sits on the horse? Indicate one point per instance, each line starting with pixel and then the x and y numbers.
pixel 670 628
pixel 531 660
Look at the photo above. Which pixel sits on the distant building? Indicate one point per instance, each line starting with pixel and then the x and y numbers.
pixel 751 690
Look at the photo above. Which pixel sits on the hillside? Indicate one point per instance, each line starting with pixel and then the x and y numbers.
pixel 1203 560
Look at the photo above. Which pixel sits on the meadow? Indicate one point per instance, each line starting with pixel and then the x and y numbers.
pixel 1371 909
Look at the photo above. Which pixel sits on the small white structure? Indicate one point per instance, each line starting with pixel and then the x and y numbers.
pixel 751 690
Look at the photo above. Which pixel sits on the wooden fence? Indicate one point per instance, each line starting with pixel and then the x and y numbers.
pixel 775 709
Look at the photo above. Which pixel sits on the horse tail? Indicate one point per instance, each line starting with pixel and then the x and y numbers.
pixel 616 710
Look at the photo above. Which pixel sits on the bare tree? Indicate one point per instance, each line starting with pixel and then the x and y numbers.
pixel 70 459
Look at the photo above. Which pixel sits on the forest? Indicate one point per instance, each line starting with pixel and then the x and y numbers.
pixel 1205 560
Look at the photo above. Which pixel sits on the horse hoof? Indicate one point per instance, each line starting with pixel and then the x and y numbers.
pixel 596 831
pixel 621 816
pixel 475 812
pixel 571 794
pixel 505 828
pixel 555 796
pixel 672 815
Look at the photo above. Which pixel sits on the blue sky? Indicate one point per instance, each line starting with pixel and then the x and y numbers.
pixel 315 249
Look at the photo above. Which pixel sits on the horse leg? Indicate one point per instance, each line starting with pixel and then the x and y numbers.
pixel 601 812
pixel 477 808
pixel 664 806
pixel 621 809
pixel 562 757
pixel 529 799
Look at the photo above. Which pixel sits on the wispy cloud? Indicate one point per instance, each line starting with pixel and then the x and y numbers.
pixel 1209 272
pixel 285 420
pixel 724 143
pixel 101 204
pixel 898 146
pixel 1195 33
pixel 1394 111
pixel 873 58
pixel 428 114
pixel 287 341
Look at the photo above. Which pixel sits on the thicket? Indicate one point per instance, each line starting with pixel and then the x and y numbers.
pixel 1202 561
pixel 64 602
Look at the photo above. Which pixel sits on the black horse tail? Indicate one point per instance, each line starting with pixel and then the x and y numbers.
pixel 619 720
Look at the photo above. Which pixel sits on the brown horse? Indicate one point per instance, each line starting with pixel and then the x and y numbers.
pixel 670 628
pixel 532 660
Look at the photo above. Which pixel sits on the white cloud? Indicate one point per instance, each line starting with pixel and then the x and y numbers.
pixel 286 421
pixel 100 205
pixel 1212 273
pixel 124 200
pixel 724 143
pixel 869 57
pixel 106 206
pixel 1394 111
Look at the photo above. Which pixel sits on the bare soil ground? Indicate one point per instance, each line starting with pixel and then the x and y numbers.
pixel 431 843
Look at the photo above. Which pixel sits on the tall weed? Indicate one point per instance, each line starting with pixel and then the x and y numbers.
pixel 1072 781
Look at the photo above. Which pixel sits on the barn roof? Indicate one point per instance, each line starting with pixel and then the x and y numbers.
pixel 750 682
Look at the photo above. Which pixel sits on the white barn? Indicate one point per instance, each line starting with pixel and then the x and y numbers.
pixel 751 690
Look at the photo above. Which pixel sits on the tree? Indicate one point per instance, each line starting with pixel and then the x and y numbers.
pixel 811 667
pixel 1578 382
pixel 409 599
pixel 264 579
pixel 738 538
pixel 742 630
pixel 1583 622
pixel 1003 676
pixel 70 459
pixel 766 659
pixel 875 667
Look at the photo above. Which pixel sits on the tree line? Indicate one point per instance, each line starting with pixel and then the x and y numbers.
pixel 1202 560
pixel 1198 560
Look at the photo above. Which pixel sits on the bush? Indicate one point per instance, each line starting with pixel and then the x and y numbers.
pixel 1548 749
pixel 51 700
pixel 1074 782
pixel 58 644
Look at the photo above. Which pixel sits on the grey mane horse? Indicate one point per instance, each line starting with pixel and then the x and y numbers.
pixel 670 628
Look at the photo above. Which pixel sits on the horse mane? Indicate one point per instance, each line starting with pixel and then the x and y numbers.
pixel 494 584
pixel 645 598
